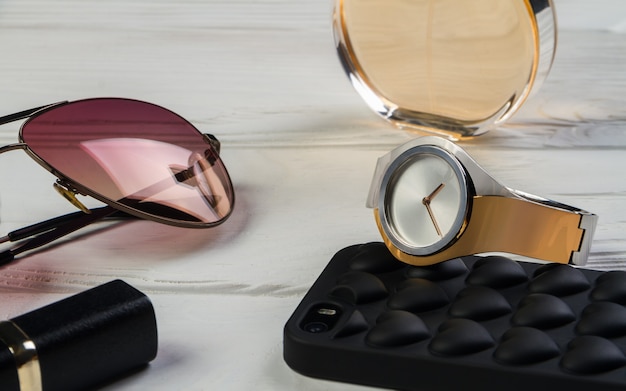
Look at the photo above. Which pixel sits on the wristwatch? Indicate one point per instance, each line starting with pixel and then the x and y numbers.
pixel 432 202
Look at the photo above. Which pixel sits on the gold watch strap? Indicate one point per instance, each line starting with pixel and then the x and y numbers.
pixel 510 225
pixel 25 354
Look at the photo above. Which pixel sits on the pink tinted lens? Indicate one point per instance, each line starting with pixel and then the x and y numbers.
pixel 134 153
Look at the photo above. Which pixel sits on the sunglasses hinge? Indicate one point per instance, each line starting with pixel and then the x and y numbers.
pixel 69 193
pixel 213 141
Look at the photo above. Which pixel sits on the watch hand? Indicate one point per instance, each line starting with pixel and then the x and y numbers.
pixel 432 195
pixel 432 217
pixel 426 202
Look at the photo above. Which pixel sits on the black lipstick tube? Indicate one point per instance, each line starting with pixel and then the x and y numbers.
pixel 80 342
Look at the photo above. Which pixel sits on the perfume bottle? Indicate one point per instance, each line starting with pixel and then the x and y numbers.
pixel 452 67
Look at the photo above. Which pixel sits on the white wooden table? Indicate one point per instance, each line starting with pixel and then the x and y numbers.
pixel 300 145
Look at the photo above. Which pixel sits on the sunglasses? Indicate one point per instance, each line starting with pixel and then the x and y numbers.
pixel 138 158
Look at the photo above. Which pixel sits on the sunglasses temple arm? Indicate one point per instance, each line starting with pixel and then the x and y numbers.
pixel 26 113
pixel 40 227
pixel 65 225
pixel 50 224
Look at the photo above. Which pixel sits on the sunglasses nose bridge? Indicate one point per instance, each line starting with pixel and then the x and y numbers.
pixel 69 194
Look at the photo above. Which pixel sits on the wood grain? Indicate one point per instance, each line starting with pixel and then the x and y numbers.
pixel 300 146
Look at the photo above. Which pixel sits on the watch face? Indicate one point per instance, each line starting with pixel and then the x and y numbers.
pixel 424 200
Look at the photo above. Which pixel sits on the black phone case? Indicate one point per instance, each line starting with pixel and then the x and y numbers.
pixel 487 323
